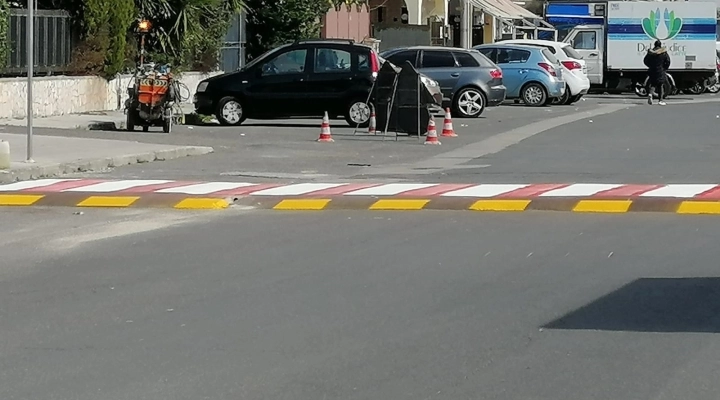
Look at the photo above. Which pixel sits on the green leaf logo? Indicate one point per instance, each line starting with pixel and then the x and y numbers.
pixel 672 23
pixel 649 25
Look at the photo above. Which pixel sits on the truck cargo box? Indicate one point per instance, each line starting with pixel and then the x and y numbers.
pixel 686 29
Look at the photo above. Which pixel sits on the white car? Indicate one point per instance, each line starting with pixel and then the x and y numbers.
pixel 574 67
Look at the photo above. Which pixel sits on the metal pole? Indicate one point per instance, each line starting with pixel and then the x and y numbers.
pixel 30 69
pixel 465 18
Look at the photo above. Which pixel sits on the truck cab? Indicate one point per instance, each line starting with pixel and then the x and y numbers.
pixel 589 41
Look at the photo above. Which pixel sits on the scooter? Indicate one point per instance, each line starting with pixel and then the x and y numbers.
pixel 670 87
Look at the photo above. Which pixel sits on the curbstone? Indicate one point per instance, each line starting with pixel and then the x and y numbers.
pixel 87 165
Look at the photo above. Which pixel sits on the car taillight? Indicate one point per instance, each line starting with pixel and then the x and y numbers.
pixel 571 65
pixel 374 63
pixel 496 74
pixel 549 68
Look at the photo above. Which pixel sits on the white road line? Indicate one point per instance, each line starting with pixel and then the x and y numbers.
pixel 390 189
pixel 296 189
pixel 485 190
pixel 116 186
pixel 206 188
pixel 32 184
pixel 580 189
pixel 681 191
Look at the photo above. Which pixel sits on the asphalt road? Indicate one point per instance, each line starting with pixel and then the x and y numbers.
pixel 119 305
pixel 286 150
pixel 607 138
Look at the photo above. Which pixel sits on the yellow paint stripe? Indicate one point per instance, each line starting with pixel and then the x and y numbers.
pixel 108 201
pixel 699 207
pixel 202 204
pixel 302 204
pixel 399 204
pixel 19 199
pixel 603 206
pixel 500 205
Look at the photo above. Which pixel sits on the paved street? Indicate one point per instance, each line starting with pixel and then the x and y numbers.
pixel 245 303
pixel 347 305
pixel 285 150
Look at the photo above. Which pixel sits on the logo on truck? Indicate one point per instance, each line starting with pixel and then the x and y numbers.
pixel 672 23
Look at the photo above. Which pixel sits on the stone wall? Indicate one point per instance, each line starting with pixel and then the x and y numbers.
pixel 60 95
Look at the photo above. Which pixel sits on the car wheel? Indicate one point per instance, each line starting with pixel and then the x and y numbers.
pixel 469 103
pixel 576 98
pixel 358 113
pixel 230 112
pixel 534 95
pixel 564 99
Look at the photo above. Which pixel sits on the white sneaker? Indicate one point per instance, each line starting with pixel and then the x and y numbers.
pixel 662 103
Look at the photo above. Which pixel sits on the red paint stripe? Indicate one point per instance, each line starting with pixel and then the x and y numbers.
pixel 153 188
pixel 60 186
pixel 713 194
pixel 340 190
pixel 627 191
pixel 246 190
pixel 435 190
pixel 533 190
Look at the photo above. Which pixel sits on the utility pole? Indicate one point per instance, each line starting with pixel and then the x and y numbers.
pixel 465 21
pixel 31 71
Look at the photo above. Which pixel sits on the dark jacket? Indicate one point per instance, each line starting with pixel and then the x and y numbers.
pixel 658 61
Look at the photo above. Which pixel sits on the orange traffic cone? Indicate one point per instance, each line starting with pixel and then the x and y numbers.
pixel 373 121
pixel 325 134
pixel 448 130
pixel 431 137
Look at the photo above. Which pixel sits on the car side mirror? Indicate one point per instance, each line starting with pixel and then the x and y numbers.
pixel 258 72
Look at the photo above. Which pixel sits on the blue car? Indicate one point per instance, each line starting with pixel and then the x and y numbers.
pixel 531 74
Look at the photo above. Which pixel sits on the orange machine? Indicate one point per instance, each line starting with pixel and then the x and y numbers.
pixel 152 91
pixel 152 96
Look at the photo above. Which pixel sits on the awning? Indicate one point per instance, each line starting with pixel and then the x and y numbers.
pixel 512 15
pixel 504 9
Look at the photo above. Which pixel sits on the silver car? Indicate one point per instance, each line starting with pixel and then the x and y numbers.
pixel 468 80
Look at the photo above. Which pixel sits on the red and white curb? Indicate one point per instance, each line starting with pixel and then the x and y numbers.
pixel 481 191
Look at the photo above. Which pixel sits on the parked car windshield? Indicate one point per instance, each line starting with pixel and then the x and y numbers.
pixel 570 52
pixel 263 56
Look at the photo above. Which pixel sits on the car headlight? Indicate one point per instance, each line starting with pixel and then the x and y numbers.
pixel 428 82
pixel 202 87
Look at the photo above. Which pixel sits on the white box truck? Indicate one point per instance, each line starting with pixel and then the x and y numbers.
pixel 614 51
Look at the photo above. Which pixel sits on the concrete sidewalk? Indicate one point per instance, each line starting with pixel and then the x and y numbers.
pixel 56 156
pixel 98 120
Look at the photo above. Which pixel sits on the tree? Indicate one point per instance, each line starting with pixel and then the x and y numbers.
pixel 4 39
pixel 188 33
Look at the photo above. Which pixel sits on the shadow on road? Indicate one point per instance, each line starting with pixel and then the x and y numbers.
pixel 663 305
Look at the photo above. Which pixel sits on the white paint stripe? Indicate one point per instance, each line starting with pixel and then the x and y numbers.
pixel 390 189
pixel 10 187
pixel 205 188
pixel 296 189
pixel 116 186
pixel 681 191
pixel 580 189
pixel 485 190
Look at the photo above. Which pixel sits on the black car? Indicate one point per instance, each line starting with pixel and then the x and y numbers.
pixel 302 79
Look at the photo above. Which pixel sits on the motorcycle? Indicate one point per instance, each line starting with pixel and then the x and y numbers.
pixel 669 86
